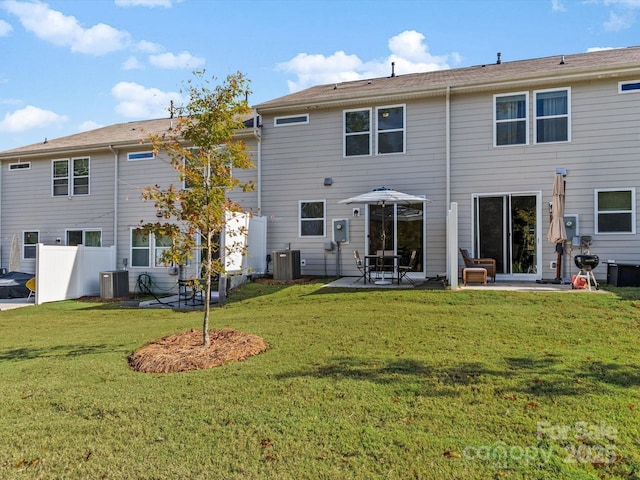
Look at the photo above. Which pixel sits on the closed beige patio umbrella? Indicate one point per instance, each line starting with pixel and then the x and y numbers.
pixel 557 233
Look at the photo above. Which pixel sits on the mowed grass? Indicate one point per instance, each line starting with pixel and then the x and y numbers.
pixel 356 385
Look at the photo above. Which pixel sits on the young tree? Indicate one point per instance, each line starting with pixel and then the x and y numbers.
pixel 202 149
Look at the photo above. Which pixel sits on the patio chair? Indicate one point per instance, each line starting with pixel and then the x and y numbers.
pixel 31 285
pixel 365 274
pixel 403 270
pixel 487 263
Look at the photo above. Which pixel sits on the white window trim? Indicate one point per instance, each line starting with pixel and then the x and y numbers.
pixel 146 157
pixel 345 134
pixel 628 82
pixel 526 119
pixel 84 231
pixel 289 124
pixel 324 219
pixel 30 244
pixel 70 177
pixel 131 249
pixel 535 115
pixel 19 166
pixel 151 253
pixel 633 209
pixel 403 129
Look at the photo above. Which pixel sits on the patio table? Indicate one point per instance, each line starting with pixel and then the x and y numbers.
pixel 381 260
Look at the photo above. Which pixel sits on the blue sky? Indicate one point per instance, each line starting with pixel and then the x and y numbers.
pixel 74 65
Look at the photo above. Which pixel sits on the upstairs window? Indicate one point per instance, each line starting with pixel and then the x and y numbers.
pixel 133 156
pixel 70 177
pixel 291 120
pixel 20 166
pixel 615 210
pixel 390 135
pixel 552 116
pixel 312 218
pixel 511 120
pixel 629 87
pixel 357 133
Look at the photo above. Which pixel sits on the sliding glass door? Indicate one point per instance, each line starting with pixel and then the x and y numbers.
pixel 506 228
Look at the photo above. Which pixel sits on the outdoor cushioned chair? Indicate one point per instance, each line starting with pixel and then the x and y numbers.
pixel 487 263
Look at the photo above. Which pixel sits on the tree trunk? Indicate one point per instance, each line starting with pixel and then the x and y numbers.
pixel 206 340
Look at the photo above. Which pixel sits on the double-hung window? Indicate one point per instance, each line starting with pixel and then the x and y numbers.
pixel 312 218
pixel 357 132
pixel 553 114
pixel 140 248
pixel 161 243
pixel 29 242
pixel 70 176
pixel 511 119
pixel 615 210
pixel 390 129
pixel 147 249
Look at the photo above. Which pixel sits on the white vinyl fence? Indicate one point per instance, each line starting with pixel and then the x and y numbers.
pixel 63 273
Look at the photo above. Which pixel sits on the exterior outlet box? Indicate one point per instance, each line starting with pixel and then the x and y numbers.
pixel 553 265
pixel 303 262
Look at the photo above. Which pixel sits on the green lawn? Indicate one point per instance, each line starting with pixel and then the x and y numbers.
pixel 357 384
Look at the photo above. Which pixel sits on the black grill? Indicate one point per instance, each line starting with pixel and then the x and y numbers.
pixel 586 262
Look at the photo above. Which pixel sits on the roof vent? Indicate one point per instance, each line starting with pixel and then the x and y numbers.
pixel 393 69
pixel 498 61
pixel 562 60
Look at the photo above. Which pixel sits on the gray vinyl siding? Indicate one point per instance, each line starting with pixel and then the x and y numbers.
pixel 134 177
pixel 297 159
pixel 28 204
pixel 603 153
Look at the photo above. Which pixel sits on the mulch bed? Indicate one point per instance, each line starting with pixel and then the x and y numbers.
pixel 182 352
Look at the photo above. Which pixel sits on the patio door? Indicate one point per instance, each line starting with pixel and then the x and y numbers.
pixel 506 228
pixel 404 230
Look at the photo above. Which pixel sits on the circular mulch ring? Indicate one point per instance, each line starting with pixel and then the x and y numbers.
pixel 182 352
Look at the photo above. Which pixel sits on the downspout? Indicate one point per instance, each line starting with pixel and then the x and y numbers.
pixel 258 134
pixel 447 140
pixel 116 190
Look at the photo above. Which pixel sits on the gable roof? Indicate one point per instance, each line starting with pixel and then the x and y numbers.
pixel 120 135
pixel 614 62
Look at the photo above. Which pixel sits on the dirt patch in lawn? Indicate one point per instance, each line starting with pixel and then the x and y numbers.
pixel 182 352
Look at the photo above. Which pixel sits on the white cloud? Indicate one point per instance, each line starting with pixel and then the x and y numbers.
pixel 147 47
pixel 131 63
pixel 137 101
pixel 408 50
pixel 144 3
pixel 29 118
pixel 63 30
pixel 557 6
pixel 600 49
pixel 170 60
pixel 5 28
pixel 89 125
pixel 617 22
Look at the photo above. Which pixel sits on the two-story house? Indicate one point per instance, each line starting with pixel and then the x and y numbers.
pixel 489 138
pixel 87 189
